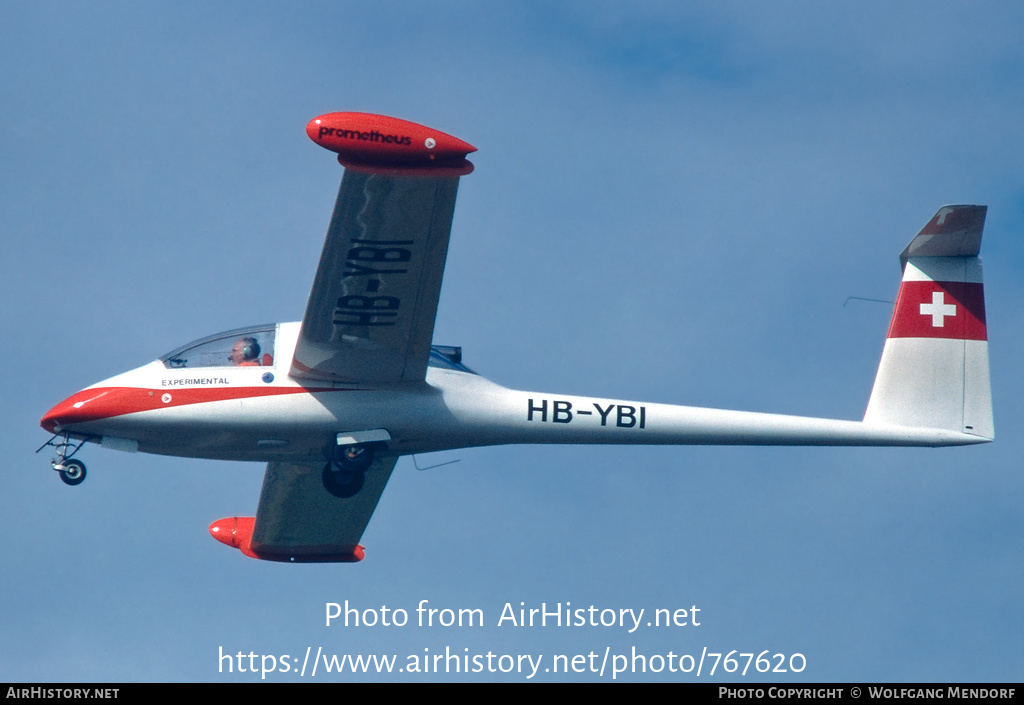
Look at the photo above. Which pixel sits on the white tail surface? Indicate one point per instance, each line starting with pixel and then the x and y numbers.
pixel 934 368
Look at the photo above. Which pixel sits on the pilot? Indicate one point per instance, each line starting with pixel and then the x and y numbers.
pixel 245 353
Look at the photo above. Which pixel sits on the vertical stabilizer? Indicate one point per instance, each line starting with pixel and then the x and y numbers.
pixel 934 368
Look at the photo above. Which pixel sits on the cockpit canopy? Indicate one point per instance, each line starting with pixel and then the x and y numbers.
pixel 254 347
pixel 242 347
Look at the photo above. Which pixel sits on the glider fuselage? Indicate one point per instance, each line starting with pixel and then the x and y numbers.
pixel 258 413
pixel 331 402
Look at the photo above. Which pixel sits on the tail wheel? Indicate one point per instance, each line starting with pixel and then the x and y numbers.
pixel 72 472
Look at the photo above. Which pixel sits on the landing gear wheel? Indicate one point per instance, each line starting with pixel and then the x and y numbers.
pixel 72 472
pixel 340 482
pixel 354 458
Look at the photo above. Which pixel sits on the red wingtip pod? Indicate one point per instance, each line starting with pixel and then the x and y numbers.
pixel 235 532
pixel 373 142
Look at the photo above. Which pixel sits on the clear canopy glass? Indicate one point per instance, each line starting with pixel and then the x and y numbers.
pixel 242 347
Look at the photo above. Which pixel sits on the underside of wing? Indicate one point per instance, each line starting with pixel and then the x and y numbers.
pixel 307 515
pixel 370 316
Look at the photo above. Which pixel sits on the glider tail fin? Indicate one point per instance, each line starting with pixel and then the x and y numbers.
pixel 934 368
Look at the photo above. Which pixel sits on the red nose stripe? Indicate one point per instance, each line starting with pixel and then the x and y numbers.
pixel 106 402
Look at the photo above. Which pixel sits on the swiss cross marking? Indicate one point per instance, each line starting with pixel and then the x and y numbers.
pixel 938 309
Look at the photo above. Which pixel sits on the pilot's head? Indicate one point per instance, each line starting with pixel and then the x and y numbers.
pixel 245 352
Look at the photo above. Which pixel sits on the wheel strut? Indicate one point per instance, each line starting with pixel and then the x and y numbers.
pixel 72 472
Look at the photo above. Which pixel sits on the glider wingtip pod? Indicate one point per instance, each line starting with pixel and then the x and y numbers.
pixel 364 140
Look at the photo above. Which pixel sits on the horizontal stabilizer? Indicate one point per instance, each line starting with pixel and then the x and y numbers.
pixel 955 231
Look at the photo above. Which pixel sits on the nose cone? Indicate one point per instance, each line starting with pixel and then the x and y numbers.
pixel 70 411
pixel 51 419
pixel 96 403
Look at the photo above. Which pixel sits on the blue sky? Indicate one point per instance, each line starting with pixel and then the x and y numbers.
pixel 671 203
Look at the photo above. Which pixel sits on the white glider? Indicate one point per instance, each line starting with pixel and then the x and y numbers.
pixel 330 403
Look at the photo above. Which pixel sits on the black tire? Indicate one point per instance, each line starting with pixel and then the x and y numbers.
pixel 354 458
pixel 73 472
pixel 340 482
